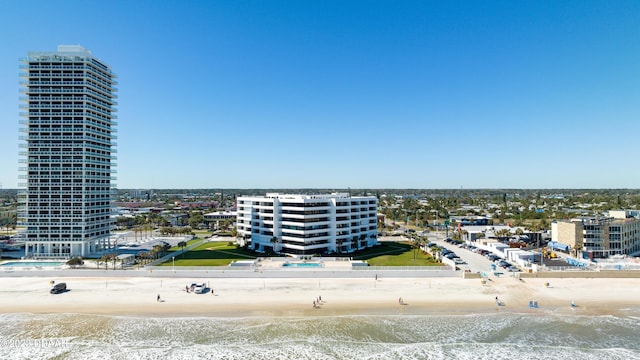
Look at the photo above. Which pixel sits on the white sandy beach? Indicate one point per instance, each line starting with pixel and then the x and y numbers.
pixel 247 297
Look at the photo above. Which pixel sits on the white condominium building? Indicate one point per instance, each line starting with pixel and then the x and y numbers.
pixel 67 163
pixel 308 224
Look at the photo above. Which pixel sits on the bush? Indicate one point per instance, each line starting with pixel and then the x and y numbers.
pixel 76 260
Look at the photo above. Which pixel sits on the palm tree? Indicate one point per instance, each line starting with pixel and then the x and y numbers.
pixel 182 244
pixel 576 249
pixel 544 224
pixel 122 222
pixel 415 244
pixel 114 258
pixel 147 256
pixel 105 259
pixel 502 233
pixel 156 251
pixel 339 243
pixel 436 252
pixel 143 257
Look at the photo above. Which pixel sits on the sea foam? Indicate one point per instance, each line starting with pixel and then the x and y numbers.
pixel 484 336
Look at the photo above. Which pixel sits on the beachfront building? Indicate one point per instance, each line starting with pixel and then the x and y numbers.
pixel 599 237
pixel 307 224
pixel 67 161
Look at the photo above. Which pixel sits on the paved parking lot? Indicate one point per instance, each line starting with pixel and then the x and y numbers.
pixel 474 261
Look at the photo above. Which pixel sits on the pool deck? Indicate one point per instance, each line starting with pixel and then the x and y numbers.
pixel 276 263
pixel 31 264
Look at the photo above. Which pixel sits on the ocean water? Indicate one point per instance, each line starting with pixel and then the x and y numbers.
pixel 484 336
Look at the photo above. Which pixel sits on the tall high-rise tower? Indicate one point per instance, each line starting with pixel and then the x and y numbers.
pixel 68 164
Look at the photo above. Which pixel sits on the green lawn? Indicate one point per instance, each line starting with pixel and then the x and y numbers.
pixel 202 233
pixel 220 253
pixel 178 248
pixel 395 254
pixel 216 253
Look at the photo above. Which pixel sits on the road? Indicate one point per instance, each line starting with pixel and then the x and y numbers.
pixel 474 261
pixel 210 272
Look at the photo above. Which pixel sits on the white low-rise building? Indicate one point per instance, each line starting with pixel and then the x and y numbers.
pixel 213 219
pixel 495 247
pixel 308 224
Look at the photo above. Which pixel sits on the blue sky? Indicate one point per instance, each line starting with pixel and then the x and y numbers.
pixel 360 94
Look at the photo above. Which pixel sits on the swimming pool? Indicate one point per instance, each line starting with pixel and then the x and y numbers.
pixel 303 265
pixel 33 263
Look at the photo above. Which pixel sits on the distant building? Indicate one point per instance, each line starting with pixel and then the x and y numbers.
pixel 308 224
pixel 68 158
pixel 141 194
pixel 220 215
pixel 215 217
pixel 177 219
pixel 600 237
pixel 470 220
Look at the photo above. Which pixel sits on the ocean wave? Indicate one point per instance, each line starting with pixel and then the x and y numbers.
pixel 479 336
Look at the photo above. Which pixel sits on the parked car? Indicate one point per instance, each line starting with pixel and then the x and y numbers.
pixel 58 288
pixel 505 264
pixel 199 288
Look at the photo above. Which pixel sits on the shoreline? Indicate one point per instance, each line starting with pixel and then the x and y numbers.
pixel 295 296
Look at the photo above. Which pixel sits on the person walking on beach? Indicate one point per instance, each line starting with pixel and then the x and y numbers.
pixel 158 298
